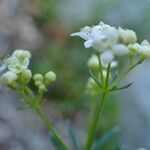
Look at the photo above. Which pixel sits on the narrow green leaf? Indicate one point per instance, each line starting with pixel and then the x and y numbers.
pixel 73 136
pixel 96 80
pixel 107 137
pixel 54 142
pixel 125 87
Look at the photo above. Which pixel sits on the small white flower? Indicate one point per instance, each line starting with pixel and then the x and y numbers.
pixel 113 64
pixel 142 49
pixel 93 62
pixel 145 43
pixel 127 36
pixel 100 37
pixel 18 62
pixel 15 65
pixel 21 54
pixel 107 57
pixel 8 78
pixel 120 50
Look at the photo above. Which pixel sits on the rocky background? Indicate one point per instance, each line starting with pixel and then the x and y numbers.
pixel 44 28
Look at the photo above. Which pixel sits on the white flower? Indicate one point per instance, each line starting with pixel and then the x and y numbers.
pixel 16 65
pixel 113 64
pixel 100 37
pixel 93 62
pixel 8 78
pixel 107 57
pixel 120 50
pixel 21 54
pixel 142 49
pixel 18 62
pixel 127 36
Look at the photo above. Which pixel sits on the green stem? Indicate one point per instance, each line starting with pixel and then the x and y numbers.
pixel 50 127
pixel 96 115
pixel 124 74
pixel 101 70
pixel 94 124
pixel 36 107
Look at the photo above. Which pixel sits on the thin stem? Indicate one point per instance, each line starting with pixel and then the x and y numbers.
pixel 125 74
pixel 36 107
pixel 94 124
pixel 96 80
pixel 48 124
pixel 100 69
pixel 96 117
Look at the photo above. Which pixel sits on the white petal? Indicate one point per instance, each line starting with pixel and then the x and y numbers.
pixel 84 33
pixel 114 64
pixel 120 50
pixel 145 43
pixel 88 43
pixel 107 57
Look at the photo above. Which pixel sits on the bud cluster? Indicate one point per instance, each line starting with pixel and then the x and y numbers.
pixel 16 67
pixel 41 82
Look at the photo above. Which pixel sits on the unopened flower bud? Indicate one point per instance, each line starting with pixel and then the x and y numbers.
pixel 26 76
pixel 127 36
pixel 42 88
pixel 91 83
pixel 93 62
pixel 8 78
pixel 107 57
pixel 38 77
pixel 38 83
pixel 50 77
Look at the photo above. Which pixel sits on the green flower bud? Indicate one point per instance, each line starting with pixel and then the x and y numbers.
pixel 21 54
pixel 50 77
pixel 93 62
pixel 38 83
pixel 42 88
pixel 92 87
pixel 38 77
pixel 8 78
pixel 26 76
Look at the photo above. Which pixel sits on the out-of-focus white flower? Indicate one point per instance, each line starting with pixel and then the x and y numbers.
pixel 8 78
pixel 142 49
pixel 18 62
pixel 120 50
pixel 113 64
pixel 107 57
pixel 100 37
pixel 127 36
pixel 93 62
pixel 15 65
pixel 21 54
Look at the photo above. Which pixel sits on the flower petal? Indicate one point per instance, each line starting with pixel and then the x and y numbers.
pixel 107 57
pixel 120 50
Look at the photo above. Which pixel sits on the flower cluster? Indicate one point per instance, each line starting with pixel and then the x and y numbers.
pixel 110 42
pixel 43 81
pixel 16 67
pixel 17 72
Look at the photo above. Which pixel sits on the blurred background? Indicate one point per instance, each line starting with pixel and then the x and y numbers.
pixel 44 27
